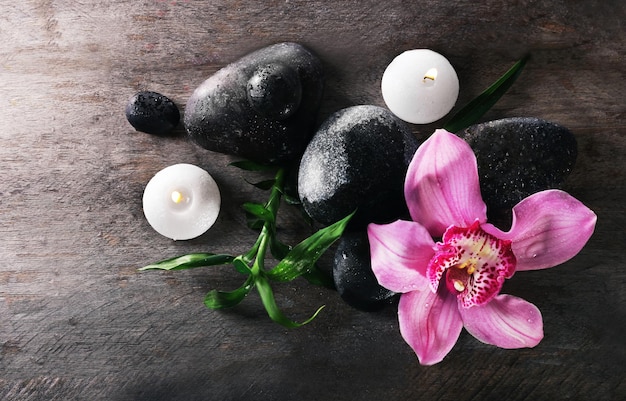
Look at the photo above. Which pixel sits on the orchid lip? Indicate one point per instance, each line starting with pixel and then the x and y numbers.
pixel 472 263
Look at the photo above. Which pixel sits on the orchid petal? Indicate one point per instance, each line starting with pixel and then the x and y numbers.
pixel 400 252
pixel 430 323
pixel 549 228
pixel 506 322
pixel 441 186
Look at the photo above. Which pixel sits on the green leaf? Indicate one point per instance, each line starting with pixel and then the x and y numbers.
pixel 253 222
pixel 278 249
pixel 259 211
pixel 190 261
pixel 318 277
pixel 248 165
pixel 263 185
pixel 225 299
pixel 302 257
pixel 475 109
pixel 292 200
pixel 267 297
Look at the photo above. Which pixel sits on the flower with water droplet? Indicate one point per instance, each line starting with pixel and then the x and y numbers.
pixel 456 282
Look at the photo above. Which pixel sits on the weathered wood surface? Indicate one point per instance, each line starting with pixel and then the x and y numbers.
pixel 78 321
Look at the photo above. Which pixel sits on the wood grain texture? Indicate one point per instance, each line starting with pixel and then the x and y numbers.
pixel 79 322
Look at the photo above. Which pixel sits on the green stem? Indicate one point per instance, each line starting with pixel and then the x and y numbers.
pixel 250 256
pixel 259 261
pixel 277 190
pixel 269 227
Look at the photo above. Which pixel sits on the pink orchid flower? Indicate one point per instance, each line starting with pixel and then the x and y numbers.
pixel 456 282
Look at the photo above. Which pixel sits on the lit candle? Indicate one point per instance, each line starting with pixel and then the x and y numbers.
pixel 420 86
pixel 181 201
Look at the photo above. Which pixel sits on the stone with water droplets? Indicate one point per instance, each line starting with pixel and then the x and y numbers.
pixel 520 156
pixel 357 159
pixel 352 272
pixel 262 107
pixel 274 90
pixel 152 113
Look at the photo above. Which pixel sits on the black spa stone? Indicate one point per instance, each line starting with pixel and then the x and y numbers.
pixel 520 156
pixel 352 272
pixel 262 107
pixel 152 113
pixel 356 160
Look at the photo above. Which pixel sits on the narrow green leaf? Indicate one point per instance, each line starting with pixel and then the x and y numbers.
pixel 278 249
pixel 259 211
pixel 302 257
pixel 248 165
pixel 190 261
pixel 269 302
pixel 263 185
pixel 318 277
pixel 253 222
pixel 225 299
pixel 292 200
pixel 475 109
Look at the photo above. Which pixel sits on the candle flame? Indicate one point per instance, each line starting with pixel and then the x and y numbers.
pixel 430 74
pixel 177 197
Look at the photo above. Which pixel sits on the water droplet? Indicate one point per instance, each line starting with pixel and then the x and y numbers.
pixel 535 249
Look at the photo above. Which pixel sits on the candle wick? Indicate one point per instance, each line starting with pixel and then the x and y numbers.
pixel 430 74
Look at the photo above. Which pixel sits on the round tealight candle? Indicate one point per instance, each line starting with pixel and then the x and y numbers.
pixel 420 86
pixel 181 201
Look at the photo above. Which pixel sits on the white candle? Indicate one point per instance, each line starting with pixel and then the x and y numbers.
pixel 420 86
pixel 181 201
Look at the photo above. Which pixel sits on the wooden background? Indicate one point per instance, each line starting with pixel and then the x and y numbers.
pixel 79 322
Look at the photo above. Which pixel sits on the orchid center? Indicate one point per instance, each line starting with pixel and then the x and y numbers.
pixel 472 263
